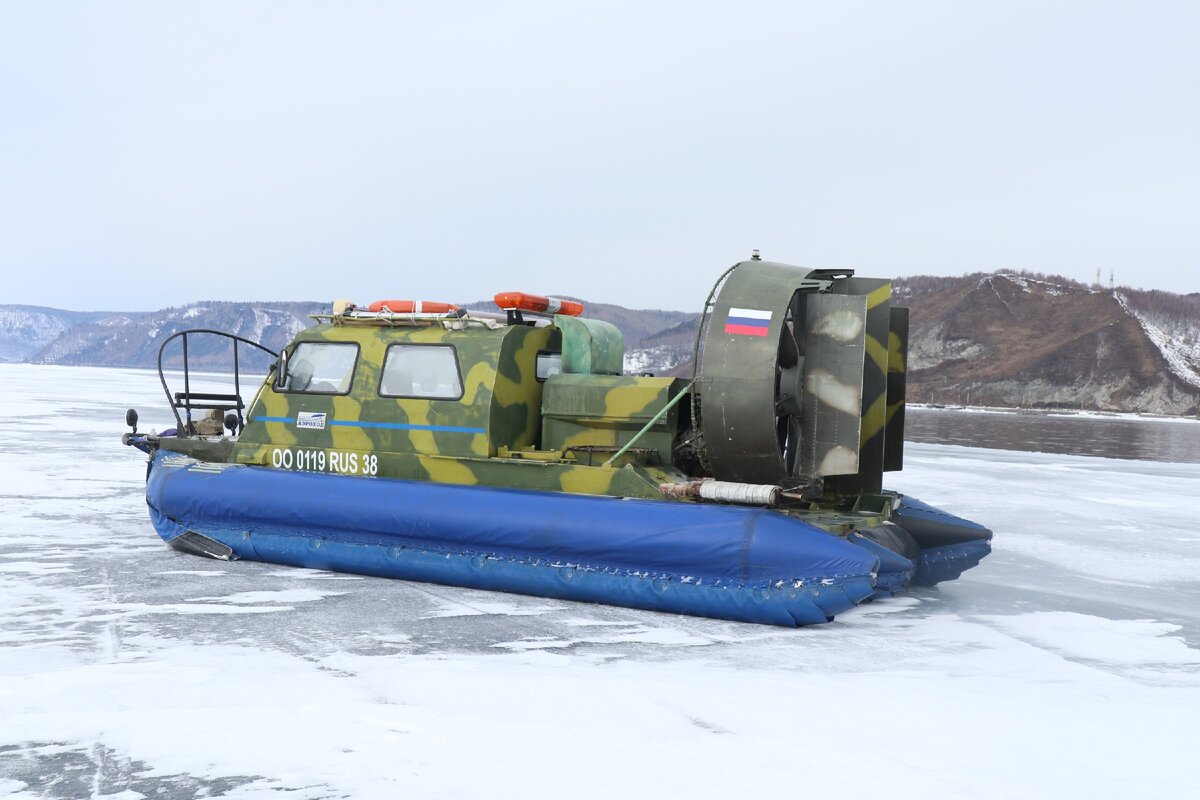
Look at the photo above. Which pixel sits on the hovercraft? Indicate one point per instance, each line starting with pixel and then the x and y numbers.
pixel 505 450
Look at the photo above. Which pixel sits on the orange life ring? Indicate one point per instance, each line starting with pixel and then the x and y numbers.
pixel 412 307
pixel 519 301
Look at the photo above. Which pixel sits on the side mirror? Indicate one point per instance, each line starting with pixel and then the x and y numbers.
pixel 281 375
pixel 231 422
pixel 131 419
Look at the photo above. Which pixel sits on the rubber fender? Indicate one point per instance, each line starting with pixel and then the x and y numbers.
pixel 894 538
pixel 932 527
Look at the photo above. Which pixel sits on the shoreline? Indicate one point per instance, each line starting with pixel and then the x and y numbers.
pixel 1056 412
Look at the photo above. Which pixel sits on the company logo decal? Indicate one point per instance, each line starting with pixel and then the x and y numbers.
pixel 311 419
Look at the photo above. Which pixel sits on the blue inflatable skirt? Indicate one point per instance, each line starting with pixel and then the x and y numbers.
pixel 728 562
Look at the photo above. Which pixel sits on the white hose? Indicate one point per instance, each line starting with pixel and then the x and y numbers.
pixel 753 494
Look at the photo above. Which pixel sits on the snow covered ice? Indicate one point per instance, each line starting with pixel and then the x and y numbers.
pixel 1066 665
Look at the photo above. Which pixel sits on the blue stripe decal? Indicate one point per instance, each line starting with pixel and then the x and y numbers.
pixel 403 426
pixel 395 426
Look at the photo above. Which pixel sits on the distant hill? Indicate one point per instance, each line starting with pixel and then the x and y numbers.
pixel 1030 340
pixel 1002 339
pixel 132 339
pixel 26 330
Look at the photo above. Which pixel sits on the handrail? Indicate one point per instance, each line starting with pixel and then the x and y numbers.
pixel 237 385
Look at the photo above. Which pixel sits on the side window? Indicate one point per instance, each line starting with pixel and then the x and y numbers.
pixel 548 364
pixel 421 370
pixel 320 368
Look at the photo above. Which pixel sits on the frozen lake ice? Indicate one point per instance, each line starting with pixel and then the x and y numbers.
pixel 1066 665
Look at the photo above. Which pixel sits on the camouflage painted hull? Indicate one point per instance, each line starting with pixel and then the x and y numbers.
pixel 745 564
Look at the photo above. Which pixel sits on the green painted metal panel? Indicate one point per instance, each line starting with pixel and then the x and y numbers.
pixel 608 411
pixel 897 381
pixel 877 293
pixel 590 347
pixel 833 393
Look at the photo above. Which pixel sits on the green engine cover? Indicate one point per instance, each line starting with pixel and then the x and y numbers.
pixel 607 411
pixel 590 347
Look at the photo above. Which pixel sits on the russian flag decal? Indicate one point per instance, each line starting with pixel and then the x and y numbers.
pixel 748 321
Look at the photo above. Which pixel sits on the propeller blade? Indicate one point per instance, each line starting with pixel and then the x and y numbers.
pixel 789 352
pixel 791 343
pixel 793 447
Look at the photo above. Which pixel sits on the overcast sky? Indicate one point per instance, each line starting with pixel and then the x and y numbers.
pixel 153 154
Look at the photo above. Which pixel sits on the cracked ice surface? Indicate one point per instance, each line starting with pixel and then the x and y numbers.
pixel 1065 665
